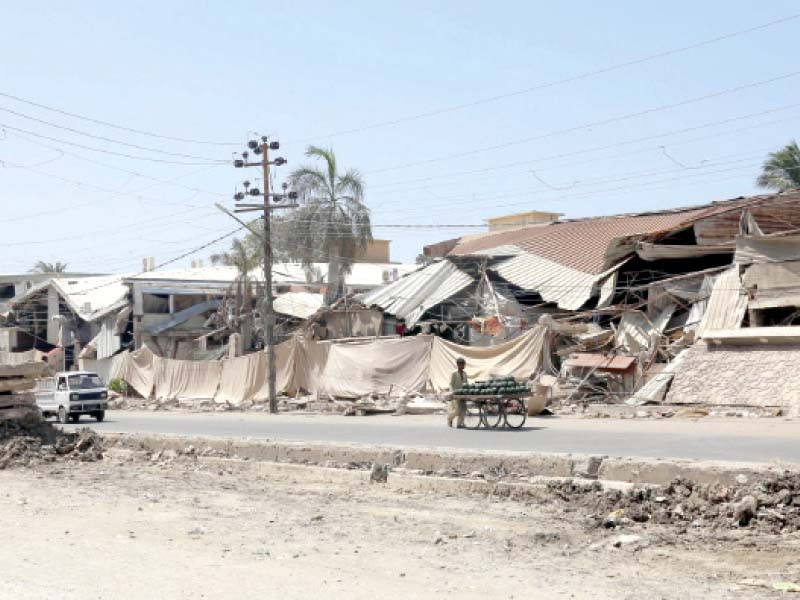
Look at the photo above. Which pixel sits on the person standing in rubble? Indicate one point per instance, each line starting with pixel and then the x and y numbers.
pixel 458 405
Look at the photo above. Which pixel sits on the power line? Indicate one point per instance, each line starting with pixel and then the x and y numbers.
pixel 111 152
pixel 103 138
pixel 635 152
pixel 128 171
pixel 557 82
pixel 599 123
pixel 663 134
pixel 170 261
pixel 92 187
pixel 112 125
pixel 457 200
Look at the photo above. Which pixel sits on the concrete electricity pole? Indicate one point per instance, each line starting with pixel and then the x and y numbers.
pixel 266 206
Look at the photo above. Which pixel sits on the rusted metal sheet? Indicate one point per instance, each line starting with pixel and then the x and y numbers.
pixel 773 213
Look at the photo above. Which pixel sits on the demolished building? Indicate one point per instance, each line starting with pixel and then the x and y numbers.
pixel 190 313
pixel 75 314
pixel 623 296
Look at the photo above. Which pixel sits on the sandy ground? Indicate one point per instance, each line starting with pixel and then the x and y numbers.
pixel 127 527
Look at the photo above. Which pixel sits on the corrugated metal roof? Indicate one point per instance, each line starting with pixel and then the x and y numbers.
pixel 411 296
pixel 772 212
pixel 727 304
pixel 298 304
pixel 591 245
pixel 584 245
pixel 567 287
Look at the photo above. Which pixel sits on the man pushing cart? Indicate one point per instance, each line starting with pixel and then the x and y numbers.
pixel 498 402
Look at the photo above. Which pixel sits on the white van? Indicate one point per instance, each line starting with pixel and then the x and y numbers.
pixel 71 394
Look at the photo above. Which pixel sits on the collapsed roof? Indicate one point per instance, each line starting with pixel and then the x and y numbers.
pixel 568 263
pixel 90 298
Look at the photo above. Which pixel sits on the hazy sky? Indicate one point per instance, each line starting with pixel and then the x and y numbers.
pixel 352 75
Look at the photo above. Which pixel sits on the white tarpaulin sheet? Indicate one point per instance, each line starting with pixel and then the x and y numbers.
pixel 185 379
pixel 344 369
pixel 520 357
pixel 107 368
pixel 241 378
pixel 360 368
pixel 285 363
pixel 310 358
pixel 137 370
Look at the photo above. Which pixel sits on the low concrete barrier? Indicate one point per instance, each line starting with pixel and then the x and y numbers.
pixel 488 465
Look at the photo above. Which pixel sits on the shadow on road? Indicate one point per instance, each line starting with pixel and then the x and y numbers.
pixel 507 429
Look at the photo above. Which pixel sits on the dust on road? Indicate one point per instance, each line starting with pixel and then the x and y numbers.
pixel 170 526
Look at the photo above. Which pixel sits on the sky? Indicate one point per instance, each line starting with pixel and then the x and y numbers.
pixel 453 111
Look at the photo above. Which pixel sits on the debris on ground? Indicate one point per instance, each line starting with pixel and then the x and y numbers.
pixel 373 404
pixel 28 442
pixel 772 504
pixel 379 473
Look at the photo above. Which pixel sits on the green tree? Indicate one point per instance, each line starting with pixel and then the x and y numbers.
pixel 47 267
pixel 244 257
pixel 423 260
pixel 332 223
pixel 781 170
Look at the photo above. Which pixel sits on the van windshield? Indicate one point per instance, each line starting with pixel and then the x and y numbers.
pixel 84 382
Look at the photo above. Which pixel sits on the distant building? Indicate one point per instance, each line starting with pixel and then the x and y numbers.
pixel 377 251
pixel 439 249
pixel 522 219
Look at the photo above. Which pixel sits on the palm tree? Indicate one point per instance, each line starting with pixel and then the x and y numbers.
pixel 245 258
pixel 333 223
pixel 46 267
pixel 781 170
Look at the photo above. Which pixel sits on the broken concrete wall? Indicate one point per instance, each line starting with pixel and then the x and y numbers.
pixel 739 375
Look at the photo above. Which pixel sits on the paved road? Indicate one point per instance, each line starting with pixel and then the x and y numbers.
pixel 757 440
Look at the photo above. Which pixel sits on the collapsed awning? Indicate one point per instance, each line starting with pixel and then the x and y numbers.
pixel 569 288
pixel 411 296
pixel 651 252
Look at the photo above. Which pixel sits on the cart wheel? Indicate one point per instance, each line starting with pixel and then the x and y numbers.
pixel 492 414
pixel 472 415
pixel 515 413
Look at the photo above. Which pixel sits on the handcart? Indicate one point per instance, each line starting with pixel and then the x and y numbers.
pixel 495 403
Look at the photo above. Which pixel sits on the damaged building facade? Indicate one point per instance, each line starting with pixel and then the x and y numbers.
pixel 638 307
pixel 80 316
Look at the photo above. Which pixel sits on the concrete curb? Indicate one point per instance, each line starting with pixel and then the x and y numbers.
pixel 491 465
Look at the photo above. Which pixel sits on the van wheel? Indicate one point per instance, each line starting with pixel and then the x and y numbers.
pixel 62 415
pixel 100 415
pixel 74 418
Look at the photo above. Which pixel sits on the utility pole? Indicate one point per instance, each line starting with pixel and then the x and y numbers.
pixel 268 313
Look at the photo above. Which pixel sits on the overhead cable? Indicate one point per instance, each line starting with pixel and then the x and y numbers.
pixel 557 82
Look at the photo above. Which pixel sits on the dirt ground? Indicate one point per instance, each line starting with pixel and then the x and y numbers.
pixel 130 526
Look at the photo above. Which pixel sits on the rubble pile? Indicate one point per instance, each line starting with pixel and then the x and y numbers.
pixel 771 504
pixel 400 404
pixel 18 374
pixel 25 442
